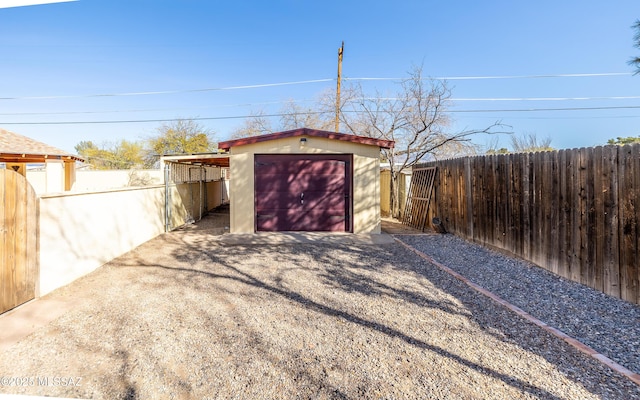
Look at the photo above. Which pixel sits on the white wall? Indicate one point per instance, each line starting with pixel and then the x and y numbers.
pixel 95 180
pixel 79 232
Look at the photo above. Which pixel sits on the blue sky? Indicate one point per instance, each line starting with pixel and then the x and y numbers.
pixel 72 51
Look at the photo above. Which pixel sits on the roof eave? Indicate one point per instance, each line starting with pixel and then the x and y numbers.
pixel 386 144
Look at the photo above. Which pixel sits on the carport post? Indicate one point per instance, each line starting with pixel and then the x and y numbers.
pixel 167 198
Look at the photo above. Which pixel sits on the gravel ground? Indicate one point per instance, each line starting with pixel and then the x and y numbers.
pixel 607 324
pixel 183 316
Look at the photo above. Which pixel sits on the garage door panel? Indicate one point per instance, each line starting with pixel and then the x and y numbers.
pixel 275 165
pixel 284 200
pixel 282 183
pixel 302 192
pixel 286 220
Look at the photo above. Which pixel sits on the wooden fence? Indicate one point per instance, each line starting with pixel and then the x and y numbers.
pixel 18 240
pixel 574 212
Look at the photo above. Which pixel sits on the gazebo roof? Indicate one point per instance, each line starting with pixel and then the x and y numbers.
pixel 18 148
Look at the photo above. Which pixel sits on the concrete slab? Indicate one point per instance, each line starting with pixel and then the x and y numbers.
pixel 27 318
pixel 394 227
pixel 273 238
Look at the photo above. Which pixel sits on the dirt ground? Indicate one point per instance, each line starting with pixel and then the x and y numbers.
pixel 188 316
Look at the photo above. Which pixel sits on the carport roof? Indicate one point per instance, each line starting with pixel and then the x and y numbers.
pixel 386 144
pixel 216 160
pixel 21 149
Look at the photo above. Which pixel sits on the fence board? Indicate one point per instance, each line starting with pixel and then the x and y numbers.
pixel 545 204
pixel 8 267
pixel 554 211
pixel 526 206
pixel 583 220
pixel 612 220
pixel 563 213
pixel 536 207
pixel 589 264
pixel 573 259
pixel 574 212
pixel 599 192
pixel 18 240
pixel 493 195
pixel 628 225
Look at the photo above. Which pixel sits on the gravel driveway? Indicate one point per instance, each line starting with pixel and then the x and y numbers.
pixel 186 316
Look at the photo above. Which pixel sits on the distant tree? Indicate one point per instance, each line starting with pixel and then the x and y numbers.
pixel 129 154
pixel 621 141
pixel 295 116
pixel 255 125
pixel 530 143
pixel 182 136
pixel 635 61
pixel 85 146
pixel 502 150
pixel 415 118
pixel 290 116
pixel 94 155
pixel 122 155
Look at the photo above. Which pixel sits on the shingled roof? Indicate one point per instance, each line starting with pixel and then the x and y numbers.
pixel 18 148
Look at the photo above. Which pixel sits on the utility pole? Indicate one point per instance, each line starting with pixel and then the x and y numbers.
pixel 340 51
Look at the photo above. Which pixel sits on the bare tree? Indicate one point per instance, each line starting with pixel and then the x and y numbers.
pixel 293 116
pixel 529 143
pixel 257 124
pixel 415 118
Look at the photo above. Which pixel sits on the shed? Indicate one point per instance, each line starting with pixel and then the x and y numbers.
pixel 305 180
pixel 16 151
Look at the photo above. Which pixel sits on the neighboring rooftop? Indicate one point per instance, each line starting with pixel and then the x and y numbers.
pixel 18 148
pixel 386 144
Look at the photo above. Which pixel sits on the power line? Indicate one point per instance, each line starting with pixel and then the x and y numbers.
pixel 479 99
pixel 152 109
pixel 264 85
pixel 307 113
pixel 133 121
pixel 548 109
pixel 454 78
pixel 546 98
pixel 290 83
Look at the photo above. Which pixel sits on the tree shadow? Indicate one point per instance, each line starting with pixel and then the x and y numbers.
pixel 188 267
pixel 356 277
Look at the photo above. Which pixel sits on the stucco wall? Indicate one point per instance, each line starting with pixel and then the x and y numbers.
pixel 95 180
pixel 79 232
pixel 366 181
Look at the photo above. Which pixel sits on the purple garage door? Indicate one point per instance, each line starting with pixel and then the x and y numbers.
pixel 303 192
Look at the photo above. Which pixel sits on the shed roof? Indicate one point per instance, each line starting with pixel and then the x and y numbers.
pixel 18 148
pixel 386 144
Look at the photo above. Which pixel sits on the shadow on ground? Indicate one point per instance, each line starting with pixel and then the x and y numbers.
pixel 187 316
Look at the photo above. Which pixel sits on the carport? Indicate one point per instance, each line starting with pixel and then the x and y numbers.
pixel 200 180
pixel 305 180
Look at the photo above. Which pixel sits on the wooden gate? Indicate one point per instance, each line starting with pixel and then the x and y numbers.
pixel 415 212
pixel 18 240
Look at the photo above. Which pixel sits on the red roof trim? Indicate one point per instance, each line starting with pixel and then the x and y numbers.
pixel 386 144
